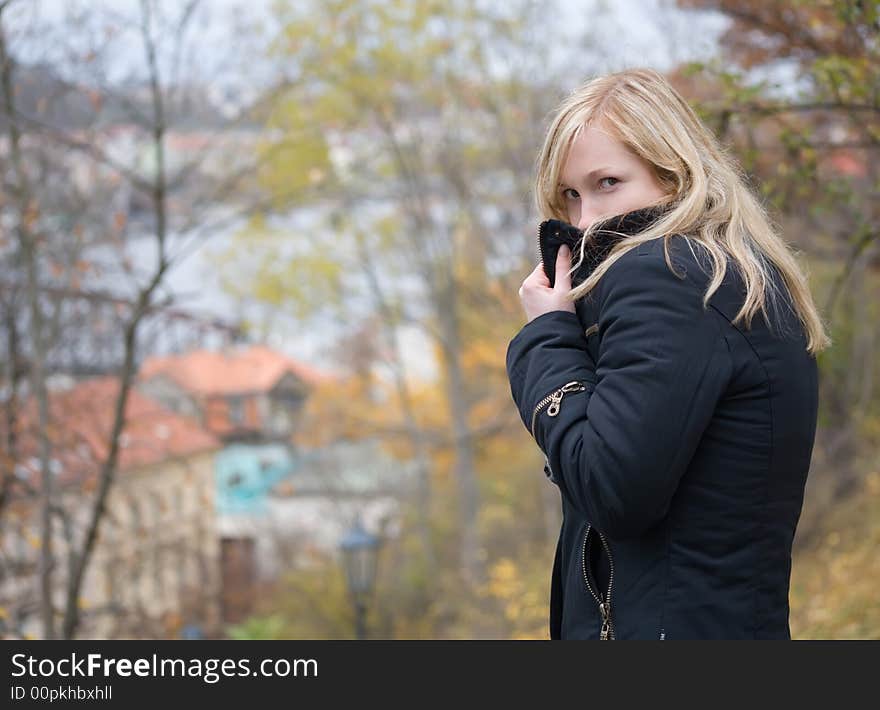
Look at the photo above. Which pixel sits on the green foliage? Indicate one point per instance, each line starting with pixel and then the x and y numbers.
pixel 383 115
pixel 258 628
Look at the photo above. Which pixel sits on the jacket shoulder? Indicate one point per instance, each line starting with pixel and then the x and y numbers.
pixel 647 264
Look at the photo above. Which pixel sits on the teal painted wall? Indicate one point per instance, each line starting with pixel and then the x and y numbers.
pixel 245 473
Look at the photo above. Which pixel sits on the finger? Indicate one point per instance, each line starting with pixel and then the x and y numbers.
pixel 533 276
pixel 563 264
pixel 539 276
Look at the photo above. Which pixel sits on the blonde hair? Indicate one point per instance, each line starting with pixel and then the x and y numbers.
pixel 706 192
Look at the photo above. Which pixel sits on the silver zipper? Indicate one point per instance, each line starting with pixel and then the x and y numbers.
pixel 554 399
pixel 607 632
pixel 541 251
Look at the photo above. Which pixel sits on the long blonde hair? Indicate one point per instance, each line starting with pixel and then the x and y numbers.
pixel 706 192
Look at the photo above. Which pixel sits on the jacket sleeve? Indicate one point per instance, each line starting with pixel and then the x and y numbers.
pixel 618 448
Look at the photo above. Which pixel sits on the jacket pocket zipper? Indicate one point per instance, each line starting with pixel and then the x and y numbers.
pixel 604 602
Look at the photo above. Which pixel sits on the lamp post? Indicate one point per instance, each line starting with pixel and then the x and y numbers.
pixel 359 555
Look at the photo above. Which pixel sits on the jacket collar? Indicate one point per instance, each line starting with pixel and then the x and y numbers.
pixel 611 230
pixel 633 221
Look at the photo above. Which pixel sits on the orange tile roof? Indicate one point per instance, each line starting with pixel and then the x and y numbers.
pixel 255 369
pixel 81 420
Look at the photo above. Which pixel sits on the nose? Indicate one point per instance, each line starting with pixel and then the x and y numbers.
pixel 587 217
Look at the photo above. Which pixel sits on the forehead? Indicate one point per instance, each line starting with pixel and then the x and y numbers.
pixel 593 148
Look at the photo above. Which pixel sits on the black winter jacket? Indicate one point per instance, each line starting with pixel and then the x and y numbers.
pixel 680 445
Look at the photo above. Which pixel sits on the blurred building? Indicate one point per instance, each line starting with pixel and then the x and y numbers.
pixel 155 566
pixel 248 393
pixel 307 513
pixel 277 507
pixel 211 498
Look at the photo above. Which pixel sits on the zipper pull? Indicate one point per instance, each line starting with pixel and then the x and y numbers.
pixel 556 397
pixel 553 399
pixel 606 621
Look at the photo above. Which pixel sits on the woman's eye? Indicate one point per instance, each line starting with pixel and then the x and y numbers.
pixel 567 196
pixel 608 178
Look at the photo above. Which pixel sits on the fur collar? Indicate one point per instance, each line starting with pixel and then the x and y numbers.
pixel 553 233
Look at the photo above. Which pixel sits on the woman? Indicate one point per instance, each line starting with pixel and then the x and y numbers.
pixel 674 390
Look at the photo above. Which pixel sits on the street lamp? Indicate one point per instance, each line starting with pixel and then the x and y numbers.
pixel 359 554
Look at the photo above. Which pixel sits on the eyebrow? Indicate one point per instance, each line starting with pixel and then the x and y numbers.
pixel 593 172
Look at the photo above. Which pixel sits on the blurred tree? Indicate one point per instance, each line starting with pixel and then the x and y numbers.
pixel 67 189
pixel 412 125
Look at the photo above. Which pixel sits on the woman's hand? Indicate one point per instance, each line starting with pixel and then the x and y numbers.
pixel 535 293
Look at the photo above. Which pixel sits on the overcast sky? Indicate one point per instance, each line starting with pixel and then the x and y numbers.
pixel 629 32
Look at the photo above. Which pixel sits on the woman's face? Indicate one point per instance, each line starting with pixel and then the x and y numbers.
pixel 602 178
